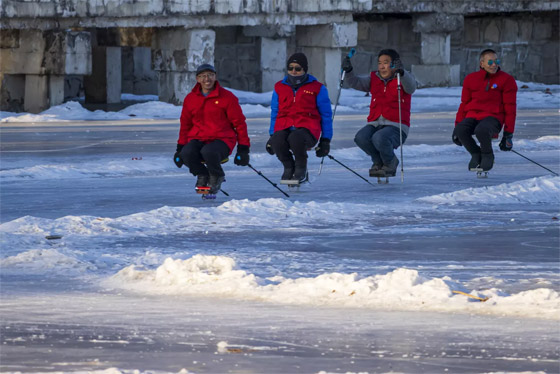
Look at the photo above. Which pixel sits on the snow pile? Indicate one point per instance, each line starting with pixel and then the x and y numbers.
pixel 233 215
pixel 401 289
pixel 544 190
pixel 42 260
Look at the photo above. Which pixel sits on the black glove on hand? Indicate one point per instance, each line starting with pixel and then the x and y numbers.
pixel 323 148
pixel 506 144
pixel 347 65
pixel 398 66
pixel 176 158
pixel 455 138
pixel 269 147
pixel 242 155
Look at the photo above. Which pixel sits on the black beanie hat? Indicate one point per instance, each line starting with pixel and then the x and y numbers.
pixel 300 59
pixel 389 52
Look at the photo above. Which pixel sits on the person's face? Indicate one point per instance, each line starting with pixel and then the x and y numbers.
pixel 206 80
pixel 295 69
pixel 384 66
pixel 490 63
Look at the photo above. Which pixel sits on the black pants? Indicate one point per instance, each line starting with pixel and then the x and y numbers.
pixel 484 130
pixel 297 142
pixel 196 152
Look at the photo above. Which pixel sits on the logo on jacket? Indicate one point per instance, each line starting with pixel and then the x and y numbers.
pixel 494 86
pixel 216 102
pixel 309 92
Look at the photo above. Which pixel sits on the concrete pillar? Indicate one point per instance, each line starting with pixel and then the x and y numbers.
pixel 435 50
pixel 104 84
pixel 36 93
pixel 323 45
pixel 56 90
pixel 175 56
pixel 145 79
pixel 273 62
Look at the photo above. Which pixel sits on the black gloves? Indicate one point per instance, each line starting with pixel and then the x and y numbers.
pixel 506 144
pixel 176 158
pixel 269 147
pixel 347 65
pixel 242 155
pixel 398 66
pixel 323 148
pixel 455 138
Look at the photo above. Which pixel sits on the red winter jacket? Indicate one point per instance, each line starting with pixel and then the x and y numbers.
pixel 385 101
pixel 486 95
pixel 215 116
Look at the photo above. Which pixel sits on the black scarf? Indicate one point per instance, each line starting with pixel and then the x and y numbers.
pixel 297 81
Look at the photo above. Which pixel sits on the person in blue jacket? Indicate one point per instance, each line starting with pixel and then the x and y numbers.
pixel 301 115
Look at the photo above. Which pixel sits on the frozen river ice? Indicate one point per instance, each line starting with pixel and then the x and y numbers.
pixel 341 277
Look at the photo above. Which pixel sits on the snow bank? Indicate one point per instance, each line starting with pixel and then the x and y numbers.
pixel 529 96
pixel 545 190
pixel 401 289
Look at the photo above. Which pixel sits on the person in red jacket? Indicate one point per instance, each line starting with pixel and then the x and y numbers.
pixel 488 102
pixel 212 122
pixel 301 114
pixel 382 134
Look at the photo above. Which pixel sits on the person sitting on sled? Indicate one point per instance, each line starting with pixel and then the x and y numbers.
pixel 488 102
pixel 380 137
pixel 212 122
pixel 301 114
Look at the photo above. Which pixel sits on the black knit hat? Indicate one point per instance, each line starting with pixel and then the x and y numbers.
pixel 389 52
pixel 300 59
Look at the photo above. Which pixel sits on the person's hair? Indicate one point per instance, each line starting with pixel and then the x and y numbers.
pixel 487 51
pixel 389 52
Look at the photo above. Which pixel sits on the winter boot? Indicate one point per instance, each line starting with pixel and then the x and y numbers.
pixel 375 170
pixel 474 163
pixel 390 169
pixel 215 183
pixel 201 180
pixel 300 173
pixel 486 161
pixel 289 168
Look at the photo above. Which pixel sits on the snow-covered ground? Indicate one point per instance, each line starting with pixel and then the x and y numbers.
pixel 343 276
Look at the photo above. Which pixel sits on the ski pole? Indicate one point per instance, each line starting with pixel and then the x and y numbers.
pixel 400 124
pixel 349 55
pixel 268 180
pixel 534 162
pixel 224 192
pixel 341 164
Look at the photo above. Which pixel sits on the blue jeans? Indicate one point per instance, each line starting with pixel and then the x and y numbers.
pixel 379 142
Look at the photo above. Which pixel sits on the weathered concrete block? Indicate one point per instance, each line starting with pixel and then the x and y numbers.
pixel 135 36
pixel 542 31
pixel 77 57
pixel 12 92
pixel 436 75
pixel 379 32
pixel 492 32
pixel 185 7
pixel 120 8
pixel 324 64
pixel 269 31
pixel 56 90
pixel 438 23
pixel 36 93
pixel 525 30
pixel 510 30
pixel 9 38
pixel 182 50
pixel 435 48
pixel 236 6
pixel 273 61
pixel 174 86
pixel 144 78
pixel 332 35
pixel 28 58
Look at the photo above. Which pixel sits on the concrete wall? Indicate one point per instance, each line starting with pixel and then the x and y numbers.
pixel 527 44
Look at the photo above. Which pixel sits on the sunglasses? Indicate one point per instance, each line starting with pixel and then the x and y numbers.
pixel 295 68
pixel 207 75
pixel 492 62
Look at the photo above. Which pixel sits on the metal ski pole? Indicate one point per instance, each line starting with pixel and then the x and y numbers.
pixel 224 192
pixel 534 162
pixel 341 164
pixel 349 55
pixel 400 124
pixel 268 180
